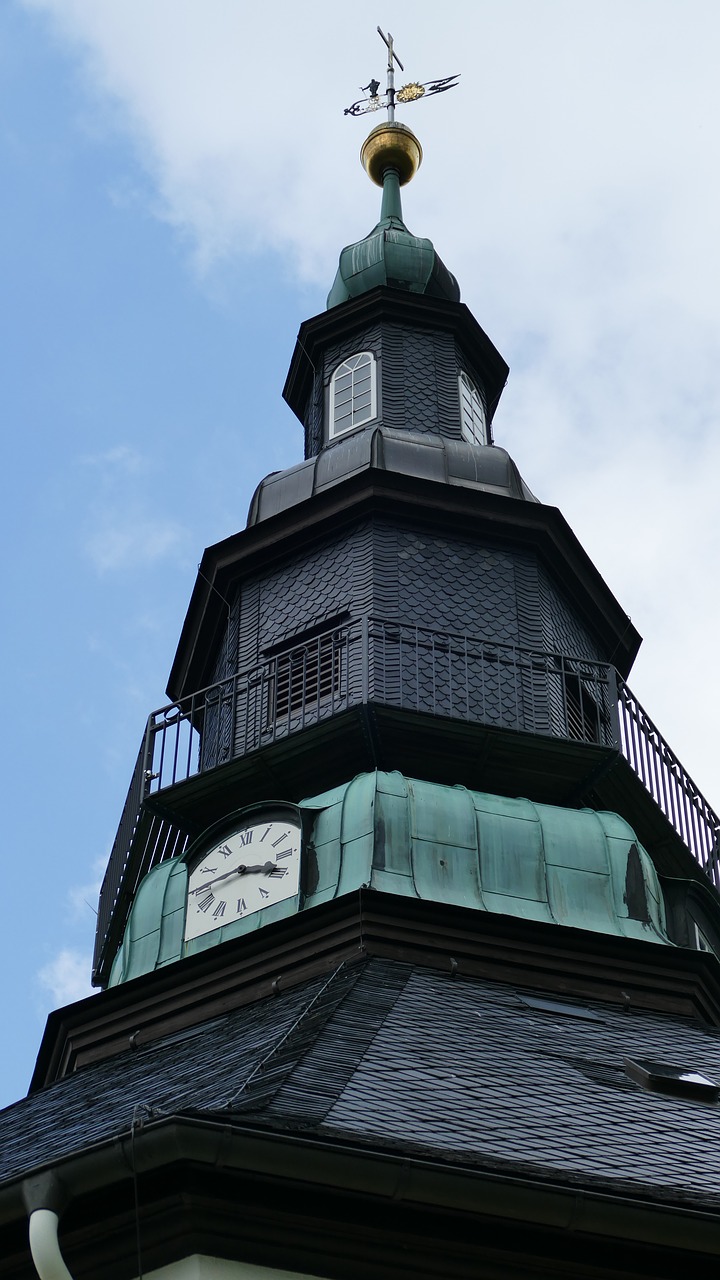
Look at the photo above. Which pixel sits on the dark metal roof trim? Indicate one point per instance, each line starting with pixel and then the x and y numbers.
pixel 570 963
pixel 384 303
pixel 485 468
pixel 354 1167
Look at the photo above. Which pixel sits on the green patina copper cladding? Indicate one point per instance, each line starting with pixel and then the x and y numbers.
pixel 573 867
pixel 390 255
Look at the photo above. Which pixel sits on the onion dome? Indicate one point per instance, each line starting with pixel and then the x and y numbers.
pixel 390 254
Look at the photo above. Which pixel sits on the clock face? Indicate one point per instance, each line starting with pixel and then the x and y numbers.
pixel 252 867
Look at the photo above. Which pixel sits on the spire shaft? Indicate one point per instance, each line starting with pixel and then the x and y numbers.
pixel 392 59
pixel 391 200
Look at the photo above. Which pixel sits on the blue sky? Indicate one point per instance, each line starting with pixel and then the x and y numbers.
pixel 177 183
pixel 116 365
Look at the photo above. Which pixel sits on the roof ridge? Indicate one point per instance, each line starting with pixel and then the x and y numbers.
pixel 267 1076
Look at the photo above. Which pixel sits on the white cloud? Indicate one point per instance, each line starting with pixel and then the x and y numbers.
pixel 120 532
pixel 66 977
pixel 120 460
pixel 123 539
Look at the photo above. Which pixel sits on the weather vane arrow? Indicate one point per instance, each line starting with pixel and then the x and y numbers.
pixel 410 92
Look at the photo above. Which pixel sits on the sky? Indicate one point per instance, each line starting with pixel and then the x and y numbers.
pixel 178 179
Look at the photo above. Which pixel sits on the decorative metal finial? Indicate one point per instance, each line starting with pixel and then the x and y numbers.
pixel 407 93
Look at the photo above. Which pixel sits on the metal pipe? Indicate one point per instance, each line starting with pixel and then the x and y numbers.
pixel 45 1246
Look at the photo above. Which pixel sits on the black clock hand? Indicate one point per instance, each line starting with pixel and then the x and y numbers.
pixel 236 871
pixel 242 870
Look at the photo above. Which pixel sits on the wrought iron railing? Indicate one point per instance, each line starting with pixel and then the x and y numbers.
pixel 395 664
pixel 143 840
pixel 404 666
pixel 670 785
pixel 290 691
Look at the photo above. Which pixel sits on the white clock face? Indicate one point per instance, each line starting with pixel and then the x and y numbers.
pixel 253 867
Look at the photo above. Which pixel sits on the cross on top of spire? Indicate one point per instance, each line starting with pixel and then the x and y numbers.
pixel 410 92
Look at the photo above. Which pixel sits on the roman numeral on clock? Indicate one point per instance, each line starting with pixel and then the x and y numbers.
pixel 220 908
pixel 241 906
pixel 205 903
pixel 264 893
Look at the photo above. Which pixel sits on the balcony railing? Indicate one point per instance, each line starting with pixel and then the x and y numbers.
pixel 670 786
pixel 391 663
pixel 408 667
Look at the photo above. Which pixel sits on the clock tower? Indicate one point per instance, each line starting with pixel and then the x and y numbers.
pixel 408 942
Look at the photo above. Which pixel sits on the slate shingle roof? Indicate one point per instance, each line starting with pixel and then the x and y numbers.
pixel 401 1057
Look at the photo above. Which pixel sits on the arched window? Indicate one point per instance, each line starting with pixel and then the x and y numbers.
pixel 353 393
pixel 473 419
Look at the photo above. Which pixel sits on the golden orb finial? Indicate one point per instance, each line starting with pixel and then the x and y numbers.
pixel 391 145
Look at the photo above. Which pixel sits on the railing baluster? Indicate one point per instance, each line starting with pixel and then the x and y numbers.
pixel 364 660
pixel 631 746
pixel 233 717
pixel 662 782
pixel 161 762
pixel 417 669
pixel 191 721
pixel 176 747
pixel 696 839
pixel 433 668
pixel 148 751
pixel 613 707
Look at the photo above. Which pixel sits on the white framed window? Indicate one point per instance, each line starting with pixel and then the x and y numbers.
pixel 353 393
pixel 473 419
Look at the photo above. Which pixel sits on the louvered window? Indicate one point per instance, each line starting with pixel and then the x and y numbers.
pixel 307 677
pixel 353 394
pixel 473 419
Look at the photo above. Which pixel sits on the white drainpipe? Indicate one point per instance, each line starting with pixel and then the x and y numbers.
pixel 45 1198
pixel 44 1246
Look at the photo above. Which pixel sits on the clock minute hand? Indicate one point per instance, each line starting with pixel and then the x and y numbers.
pixel 236 871
pixel 241 870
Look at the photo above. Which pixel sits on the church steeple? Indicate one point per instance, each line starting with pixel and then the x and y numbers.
pixel 400 751
pixel 399 602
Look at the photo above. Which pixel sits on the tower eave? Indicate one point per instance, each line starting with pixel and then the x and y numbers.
pixel 386 304
pixel 572 962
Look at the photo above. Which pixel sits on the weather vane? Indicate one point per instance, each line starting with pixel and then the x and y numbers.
pixel 410 92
